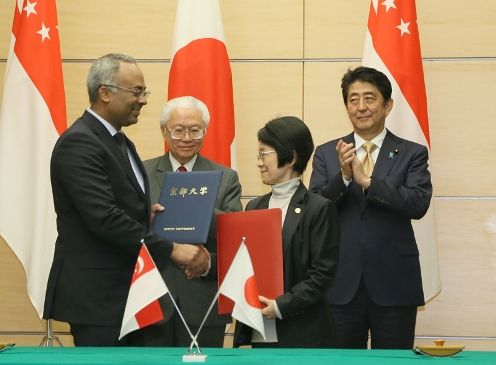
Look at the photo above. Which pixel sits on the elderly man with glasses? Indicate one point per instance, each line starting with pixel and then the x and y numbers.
pixel 184 122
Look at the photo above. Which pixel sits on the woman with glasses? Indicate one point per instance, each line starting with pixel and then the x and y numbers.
pixel 299 317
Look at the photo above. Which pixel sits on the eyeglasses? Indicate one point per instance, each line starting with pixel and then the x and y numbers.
pixel 262 154
pixel 137 93
pixel 180 133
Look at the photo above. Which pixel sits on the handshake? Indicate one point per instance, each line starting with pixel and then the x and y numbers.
pixel 193 259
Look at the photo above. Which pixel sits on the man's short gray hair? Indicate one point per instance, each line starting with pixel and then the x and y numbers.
pixel 104 71
pixel 186 102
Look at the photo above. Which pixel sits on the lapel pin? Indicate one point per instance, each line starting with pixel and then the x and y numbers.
pixel 391 154
pixel 297 210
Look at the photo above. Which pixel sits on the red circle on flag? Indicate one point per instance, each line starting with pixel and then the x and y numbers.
pixel 202 69
pixel 251 293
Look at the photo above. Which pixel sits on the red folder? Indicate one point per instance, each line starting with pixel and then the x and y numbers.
pixel 263 238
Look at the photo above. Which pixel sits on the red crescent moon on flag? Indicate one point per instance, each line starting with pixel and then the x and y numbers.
pixel 140 264
pixel 251 293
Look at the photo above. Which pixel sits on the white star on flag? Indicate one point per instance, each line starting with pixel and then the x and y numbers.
pixel 241 287
pixel 403 27
pixel 44 32
pixel 400 59
pixel 29 9
pixel 32 116
pixel 389 4
pixel 147 285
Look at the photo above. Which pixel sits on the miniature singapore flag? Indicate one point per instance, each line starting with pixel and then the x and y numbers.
pixel 147 285
pixel 241 287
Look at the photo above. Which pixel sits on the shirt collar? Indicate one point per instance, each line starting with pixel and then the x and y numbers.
pixel 286 189
pixel 106 124
pixel 378 140
pixel 175 164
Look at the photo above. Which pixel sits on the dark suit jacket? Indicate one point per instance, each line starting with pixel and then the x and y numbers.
pixel 310 237
pixel 377 239
pixel 102 215
pixel 195 295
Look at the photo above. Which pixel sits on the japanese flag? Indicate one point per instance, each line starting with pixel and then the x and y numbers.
pixel 392 46
pixel 147 285
pixel 241 287
pixel 200 67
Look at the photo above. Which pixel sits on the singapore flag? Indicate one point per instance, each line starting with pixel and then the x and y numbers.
pixel 147 285
pixel 392 45
pixel 241 287
pixel 32 116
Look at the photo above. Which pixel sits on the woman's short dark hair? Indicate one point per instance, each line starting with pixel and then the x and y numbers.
pixel 290 138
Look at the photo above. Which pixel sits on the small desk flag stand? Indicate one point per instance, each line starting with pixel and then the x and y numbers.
pixel 196 355
pixel 194 352
pixel 49 337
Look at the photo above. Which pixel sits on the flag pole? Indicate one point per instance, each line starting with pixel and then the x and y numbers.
pixel 209 309
pixel 48 339
pixel 204 319
pixel 193 338
pixel 177 308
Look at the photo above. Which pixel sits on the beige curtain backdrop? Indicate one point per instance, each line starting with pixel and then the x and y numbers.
pixel 287 58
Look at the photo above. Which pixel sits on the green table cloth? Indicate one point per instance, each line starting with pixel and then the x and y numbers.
pixel 159 356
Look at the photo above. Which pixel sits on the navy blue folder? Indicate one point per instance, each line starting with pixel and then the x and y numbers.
pixel 189 201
